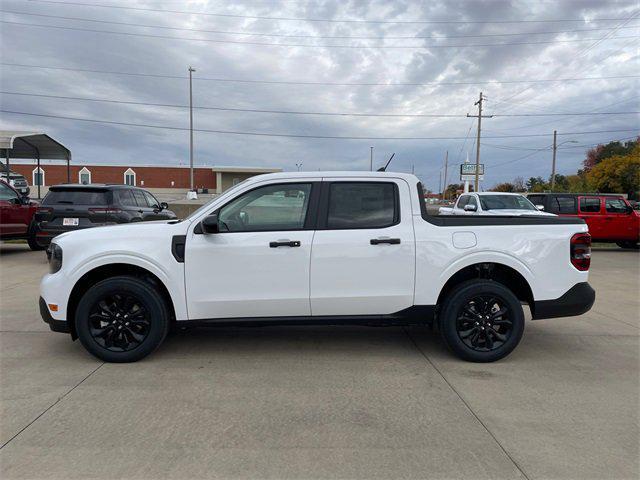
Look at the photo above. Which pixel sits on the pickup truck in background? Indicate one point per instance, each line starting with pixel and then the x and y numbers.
pixel 322 248
pixel 610 218
pixel 17 216
pixel 492 203
pixel 15 180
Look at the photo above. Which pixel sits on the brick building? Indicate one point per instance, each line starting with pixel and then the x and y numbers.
pixel 215 179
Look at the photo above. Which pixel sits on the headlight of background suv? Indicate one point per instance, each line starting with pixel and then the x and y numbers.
pixel 54 256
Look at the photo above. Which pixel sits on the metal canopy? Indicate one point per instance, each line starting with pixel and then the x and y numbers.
pixel 38 145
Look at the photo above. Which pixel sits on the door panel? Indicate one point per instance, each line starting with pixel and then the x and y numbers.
pixel 258 264
pixel 619 220
pixel 230 275
pixel 353 275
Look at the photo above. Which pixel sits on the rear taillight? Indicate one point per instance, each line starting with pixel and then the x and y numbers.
pixel 581 251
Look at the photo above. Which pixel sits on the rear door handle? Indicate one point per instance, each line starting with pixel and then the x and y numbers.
pixel 285 243
pixel 390 241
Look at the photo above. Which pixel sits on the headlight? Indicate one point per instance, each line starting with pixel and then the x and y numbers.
pixel 54 256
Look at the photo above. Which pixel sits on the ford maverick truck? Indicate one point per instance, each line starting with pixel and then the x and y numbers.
pixel 323 248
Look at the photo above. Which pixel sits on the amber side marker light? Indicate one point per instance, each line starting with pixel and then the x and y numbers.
pixel 53 307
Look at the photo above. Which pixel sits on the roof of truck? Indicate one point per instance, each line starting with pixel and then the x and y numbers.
pixel 331 174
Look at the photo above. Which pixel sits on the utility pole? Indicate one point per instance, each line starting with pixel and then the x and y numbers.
pixel 371 160
pixel 413 169
pixel 191 70
pixel 479 117
pixel 446 164
pixel 553 162
pixel 440 186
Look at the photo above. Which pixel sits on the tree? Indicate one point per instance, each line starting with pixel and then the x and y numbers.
pixel 504 187
pixel 602 152
pixel 537 184
pixel 452 190
pixel 519 185
pixel 617 174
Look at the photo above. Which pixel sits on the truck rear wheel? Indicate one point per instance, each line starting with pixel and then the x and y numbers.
pixel 121 319
pixel 31 238
pixel 481 321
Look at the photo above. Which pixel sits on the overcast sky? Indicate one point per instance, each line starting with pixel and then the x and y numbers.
pixel 605 45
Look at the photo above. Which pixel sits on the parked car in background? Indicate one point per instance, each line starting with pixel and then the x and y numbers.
pixel 492 203
pixel 75 207
pixel 15 180
pixel 610 217
pixel 16 216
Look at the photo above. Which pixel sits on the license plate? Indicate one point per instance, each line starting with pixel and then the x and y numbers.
pixel 70 222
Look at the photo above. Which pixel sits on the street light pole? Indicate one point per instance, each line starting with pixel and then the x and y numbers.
pixel 553 162
pixel 371 160
pixel 191 70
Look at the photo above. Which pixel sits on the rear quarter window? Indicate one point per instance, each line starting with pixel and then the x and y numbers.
pixel 566 205
pixel 590 205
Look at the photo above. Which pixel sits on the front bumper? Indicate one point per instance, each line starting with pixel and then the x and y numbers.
pixel 577 300
pixel 61 326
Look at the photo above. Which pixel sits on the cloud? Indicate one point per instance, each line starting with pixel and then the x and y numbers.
pixel 427 63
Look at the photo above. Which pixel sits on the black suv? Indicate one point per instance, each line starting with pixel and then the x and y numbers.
pixel 72 207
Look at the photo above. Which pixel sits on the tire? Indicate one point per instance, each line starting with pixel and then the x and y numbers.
pixel 629 244
pixel 121 319
pixel 31 238
pixel 466 316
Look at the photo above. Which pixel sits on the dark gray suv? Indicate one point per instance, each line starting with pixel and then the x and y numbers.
pixel 72 207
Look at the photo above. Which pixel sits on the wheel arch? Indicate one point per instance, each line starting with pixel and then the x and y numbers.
pixel 496 271
pixel 102 272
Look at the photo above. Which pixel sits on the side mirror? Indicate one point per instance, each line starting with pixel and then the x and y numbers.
pixel 540 207
pixel 210 224
pixel 164 205
pixel 470 208
pixel 25 200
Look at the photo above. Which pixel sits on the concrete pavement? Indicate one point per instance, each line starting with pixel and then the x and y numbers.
pixel 324 402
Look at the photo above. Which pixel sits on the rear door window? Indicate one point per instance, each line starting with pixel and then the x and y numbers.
pixel 589 204
pixel 355 205
pixel 565 205
pixel 125 198
pixel 615 205
pixel 140 199
pixel 76 197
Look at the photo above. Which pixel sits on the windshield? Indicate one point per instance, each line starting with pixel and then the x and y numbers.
pixel 505 202
pixel 197 212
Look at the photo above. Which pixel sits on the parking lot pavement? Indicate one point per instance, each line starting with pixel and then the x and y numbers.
pixel 324 402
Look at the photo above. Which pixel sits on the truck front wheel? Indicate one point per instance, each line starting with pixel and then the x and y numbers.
pixel 122 319
pixel 481 321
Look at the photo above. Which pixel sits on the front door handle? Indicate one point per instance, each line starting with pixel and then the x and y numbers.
pixel 390 241
pixel 285 243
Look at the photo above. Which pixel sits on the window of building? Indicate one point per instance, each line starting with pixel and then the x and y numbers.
pixel 84 176
pixel 130 177
pixel 362 205
pixel 236 181
pixel 590 205
pixel 38 177
pixel 269 208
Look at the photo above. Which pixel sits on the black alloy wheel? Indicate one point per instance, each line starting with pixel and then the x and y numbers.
pixel 122 319
pixel 481 320
pixel 119 322
pixel 483 323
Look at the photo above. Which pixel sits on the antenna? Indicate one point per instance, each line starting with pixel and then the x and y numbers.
pixel 384 169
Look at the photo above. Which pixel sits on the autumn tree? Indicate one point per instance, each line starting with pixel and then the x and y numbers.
pixel 602 152
pixel 617 174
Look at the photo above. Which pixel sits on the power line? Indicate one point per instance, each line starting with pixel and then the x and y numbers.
pixel 328 20
pixel 287 135
pixel 302 45
pixel 284 35
pixel 294 112
pixel 286 82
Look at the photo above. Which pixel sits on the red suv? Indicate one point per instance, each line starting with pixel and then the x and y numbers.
pixel 16 216
pixel 610 217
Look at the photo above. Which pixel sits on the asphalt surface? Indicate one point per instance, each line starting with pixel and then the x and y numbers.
pixel 324 402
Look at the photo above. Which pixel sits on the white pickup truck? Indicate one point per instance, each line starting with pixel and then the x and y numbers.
pixel 324 248
pixel 493 203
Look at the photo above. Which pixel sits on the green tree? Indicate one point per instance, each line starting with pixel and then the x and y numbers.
pixel 602 152
pixel 537 184
pixel 617 174
pixel 504 187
